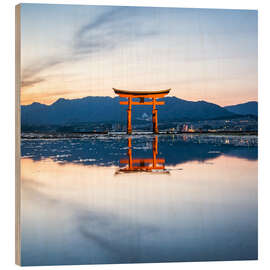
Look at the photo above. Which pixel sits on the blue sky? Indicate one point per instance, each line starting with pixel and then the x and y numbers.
pixel 75 51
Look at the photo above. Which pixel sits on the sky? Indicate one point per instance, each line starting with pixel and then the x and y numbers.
pixel 73 51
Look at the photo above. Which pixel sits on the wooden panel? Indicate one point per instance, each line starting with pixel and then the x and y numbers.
pixel 18 134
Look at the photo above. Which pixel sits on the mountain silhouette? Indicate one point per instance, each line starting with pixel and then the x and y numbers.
pixel 248 108
pixel 107 109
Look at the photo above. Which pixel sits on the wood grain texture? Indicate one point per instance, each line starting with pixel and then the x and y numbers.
pixel 17 134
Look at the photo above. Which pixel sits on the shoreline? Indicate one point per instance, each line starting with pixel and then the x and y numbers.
pixel 78 135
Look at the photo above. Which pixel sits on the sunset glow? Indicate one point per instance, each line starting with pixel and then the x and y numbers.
pixel 77 51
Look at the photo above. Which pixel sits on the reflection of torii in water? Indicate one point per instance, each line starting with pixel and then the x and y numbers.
pixel 153 164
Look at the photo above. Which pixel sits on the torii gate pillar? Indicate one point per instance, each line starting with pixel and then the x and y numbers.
pixel 154 117
pixel 129 127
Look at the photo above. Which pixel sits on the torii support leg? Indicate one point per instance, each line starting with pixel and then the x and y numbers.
pixel 129 127
pixel 154 117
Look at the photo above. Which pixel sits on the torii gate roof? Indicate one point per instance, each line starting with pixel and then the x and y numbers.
pixel 142 93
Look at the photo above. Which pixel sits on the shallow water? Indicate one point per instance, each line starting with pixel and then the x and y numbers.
pixel 80 206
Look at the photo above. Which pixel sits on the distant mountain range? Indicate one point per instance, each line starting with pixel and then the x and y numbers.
pixel 244 108
pixel 107 109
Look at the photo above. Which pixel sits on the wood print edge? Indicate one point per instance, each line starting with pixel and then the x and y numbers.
pixel 17 134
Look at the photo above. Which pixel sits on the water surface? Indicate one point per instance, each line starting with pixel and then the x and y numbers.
pixel 78 209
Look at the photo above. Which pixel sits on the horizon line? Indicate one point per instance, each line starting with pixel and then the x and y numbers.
pixel 69 99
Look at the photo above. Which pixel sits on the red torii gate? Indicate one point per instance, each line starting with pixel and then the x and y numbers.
pixel 142 95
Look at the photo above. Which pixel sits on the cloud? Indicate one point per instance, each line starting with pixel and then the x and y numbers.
pixel 30 74
pixel 30 83
pixel 120 237
pixel 113 28
pixel 39 66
